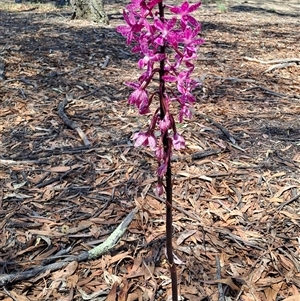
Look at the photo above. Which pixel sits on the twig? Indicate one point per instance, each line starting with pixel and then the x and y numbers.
pixel 9 294
pixel 2 72
pixel 23 80
pixel 52 180
pixel 238 240
pixel 198 155
pixel 105 63
pixel 114 238
pixel 280 61
pixel 8 162
pixel 220 286
pixel 219 126
pixel 232 79
pixel 294 198
pixel 280 66
pixel 72 124
pixel 46 153
pixel 88 94
pixel 96 252
pixel 268 91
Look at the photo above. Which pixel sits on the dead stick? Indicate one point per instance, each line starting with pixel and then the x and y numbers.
pixel 289 60
pixel 294 198
pixel 268 91
pixel 219 126
pixel 72 124
pixel 220 286
pixel 198 155
pixel 280 66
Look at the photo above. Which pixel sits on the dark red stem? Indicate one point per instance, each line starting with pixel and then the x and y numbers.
pixel 167 149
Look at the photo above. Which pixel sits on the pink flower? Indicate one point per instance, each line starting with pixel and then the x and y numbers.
pixel 145 139
pixel 138 96
pixel 178 141
pixel 165 124
pixel 149 58
pixel 132 27
pixel 142 7
pixel 184 11
pixel 167 33
pixel 160 154
pixel 159 190
pixel 162 169
pixel 184 112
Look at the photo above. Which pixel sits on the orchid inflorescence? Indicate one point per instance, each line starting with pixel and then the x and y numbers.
pixel 153 35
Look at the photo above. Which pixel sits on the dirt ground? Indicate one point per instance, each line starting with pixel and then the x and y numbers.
pixel 236 185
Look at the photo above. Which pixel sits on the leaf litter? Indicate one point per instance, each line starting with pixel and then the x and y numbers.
pixel 236 186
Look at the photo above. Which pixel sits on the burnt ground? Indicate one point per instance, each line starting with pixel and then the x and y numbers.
pixel 236 185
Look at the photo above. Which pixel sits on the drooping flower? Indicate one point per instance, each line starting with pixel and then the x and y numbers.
pixel 159 190
pixel 184 112
pixel 161 171
pixel 145 139
pixel 137 96
pixel 178 142
pixel 166 123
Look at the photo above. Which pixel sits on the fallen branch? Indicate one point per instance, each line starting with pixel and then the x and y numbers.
pixel 72 124
pixel 94 253
pixel 280 61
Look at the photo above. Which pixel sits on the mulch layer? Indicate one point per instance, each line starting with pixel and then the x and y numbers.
pixel 236 185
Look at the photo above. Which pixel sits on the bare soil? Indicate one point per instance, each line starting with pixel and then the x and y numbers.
pixel 236 185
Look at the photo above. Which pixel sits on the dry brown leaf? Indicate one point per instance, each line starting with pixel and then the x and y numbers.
pixel 60 168
pixel 268 281
pixel 66 272
pixel 293 298
pixel 256 275
pixel 188 290
pixel 290 215
pixel 287 264
pixel 19 297
pixel 227 281
pixel 119 257
pixel 112 295
pixel 284 189
pixel 276 200
pixel 124 290
pixel 183 236
pixel 271 294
